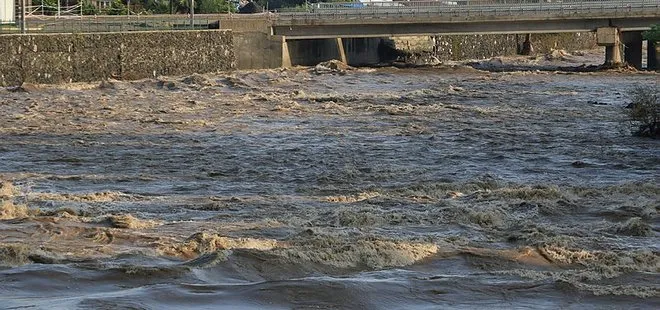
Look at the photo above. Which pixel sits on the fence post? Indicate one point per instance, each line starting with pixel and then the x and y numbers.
pixel 192 14
pixel 23 26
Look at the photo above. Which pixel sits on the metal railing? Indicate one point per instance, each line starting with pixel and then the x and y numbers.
pixel 83 24
pixel 126 23
pixel 467 7
pixel 44 10
pixel 358 11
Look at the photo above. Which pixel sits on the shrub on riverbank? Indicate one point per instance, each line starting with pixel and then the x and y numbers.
pixel 644 111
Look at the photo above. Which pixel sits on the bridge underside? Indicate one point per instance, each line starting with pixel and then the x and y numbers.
pixel 365 30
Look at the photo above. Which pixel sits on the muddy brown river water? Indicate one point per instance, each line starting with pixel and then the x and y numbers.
pixel 367 189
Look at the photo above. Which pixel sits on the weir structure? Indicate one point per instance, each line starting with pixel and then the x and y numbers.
pixel 617 23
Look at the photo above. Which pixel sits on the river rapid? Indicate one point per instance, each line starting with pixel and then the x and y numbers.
pixel 387 188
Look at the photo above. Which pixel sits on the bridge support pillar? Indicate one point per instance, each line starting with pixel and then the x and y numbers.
pixel 340 51
pixel 286 56
pixel 613 56
pixel 653 55
pixel 610 38
pixel 632 43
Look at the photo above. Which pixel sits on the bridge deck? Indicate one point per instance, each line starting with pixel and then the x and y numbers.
pixel 477 16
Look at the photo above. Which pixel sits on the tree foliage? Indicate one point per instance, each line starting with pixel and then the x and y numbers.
pixel 653 34
pixel 89 8
pixel 276 4
pixel 251 7
pixel 49 6
pixel 214 6
pixel 183 6
pixel 117 7
pixel 157 6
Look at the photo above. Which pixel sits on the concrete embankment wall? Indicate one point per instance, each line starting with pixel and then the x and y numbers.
pixel 461 47
pixel 57 58
pixel 257 50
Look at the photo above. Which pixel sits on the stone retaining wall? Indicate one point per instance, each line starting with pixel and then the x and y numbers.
pixel 462 47
pixel 58 58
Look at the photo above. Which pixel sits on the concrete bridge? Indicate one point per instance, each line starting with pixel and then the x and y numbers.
pixel 379 19
pixel 618 23
pixel 325 30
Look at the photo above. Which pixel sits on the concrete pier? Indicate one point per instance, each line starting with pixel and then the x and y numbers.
pixel 627 44
pixel 286 56
pixel 611 39
pixel 613 56
pixel 340 50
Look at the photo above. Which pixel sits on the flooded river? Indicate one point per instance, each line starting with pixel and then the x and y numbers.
pixel 366 189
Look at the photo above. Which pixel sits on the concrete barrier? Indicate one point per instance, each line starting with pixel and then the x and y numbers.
pixel 58 58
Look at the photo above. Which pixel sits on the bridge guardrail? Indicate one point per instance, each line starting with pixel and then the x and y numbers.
pixel 42 10
pixel 375 10
pixel 466 7
pixel 86 24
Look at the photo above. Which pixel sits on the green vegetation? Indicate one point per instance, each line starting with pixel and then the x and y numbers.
pixel 653 34
pixel 50 6
pixel 276 4
pixel 214 6
pixel 89 8
pixel 120 7
pixel 117 7
pixel 644 111
pixel 157 6
pixel 183 6
pixel 299 4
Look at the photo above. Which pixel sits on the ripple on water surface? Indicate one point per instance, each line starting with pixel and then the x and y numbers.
pixel 282 189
